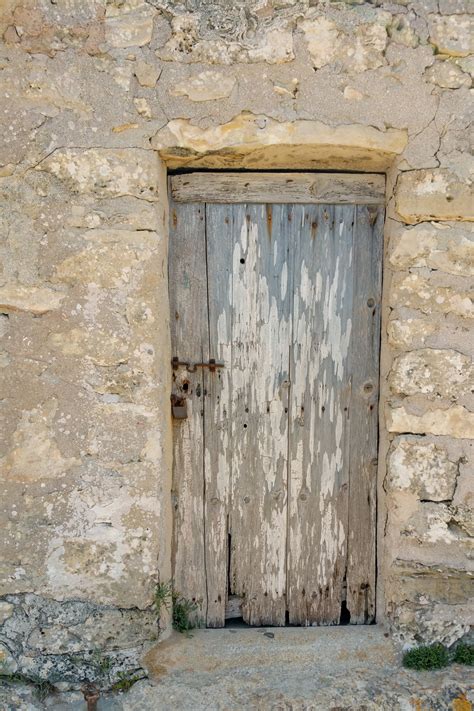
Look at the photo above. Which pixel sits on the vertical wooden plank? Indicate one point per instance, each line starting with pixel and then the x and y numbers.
pixel 368 245
pixel 217 411
pixel 260 375
pixel 319 466
pixel 190 342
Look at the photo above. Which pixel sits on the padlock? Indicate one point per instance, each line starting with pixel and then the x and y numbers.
pixel 179 408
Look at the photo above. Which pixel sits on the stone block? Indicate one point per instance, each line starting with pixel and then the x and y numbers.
pixel 258 141
pixel 147 74
pixel 437 373
pixel 105 265
pixel 423 468
pixel 407 333
pixel 8 664
pixel 445 247
pixel 436 194
pixel 418 292
pixel 36 300
pixel 452 34
pixel 448 75
pixel 356 50
pixel 105 172
pixel 119 432
pixel 6 611
pixel 103 348
pixel 129 24
pixel 205 86
pixel 455 421
pixel 34 454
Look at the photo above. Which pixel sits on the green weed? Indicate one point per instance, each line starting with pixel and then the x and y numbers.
pixel 464 654
pixel 125 682
pixel 182 613
pixel 433 656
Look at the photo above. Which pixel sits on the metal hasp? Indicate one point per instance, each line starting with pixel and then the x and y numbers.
pixel 192 367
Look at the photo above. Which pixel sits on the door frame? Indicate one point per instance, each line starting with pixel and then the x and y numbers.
pixel 309 187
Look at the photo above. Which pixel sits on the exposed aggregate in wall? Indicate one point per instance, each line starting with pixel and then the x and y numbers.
pixel 96 97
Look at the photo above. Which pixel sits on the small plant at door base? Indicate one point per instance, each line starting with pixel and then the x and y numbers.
pixel 42 687
pixel 182 608
pixel 125 681
pixel 433 656
pixel 163 596
pixel 182 613
pixel 464 654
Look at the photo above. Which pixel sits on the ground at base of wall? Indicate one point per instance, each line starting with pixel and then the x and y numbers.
pixel 343 669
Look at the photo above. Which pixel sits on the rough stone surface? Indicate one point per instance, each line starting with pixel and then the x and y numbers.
pixel 452 34
pixel 98 100
pixel 324 668
pixel 434 195
pixel 206 86
pixel 423 468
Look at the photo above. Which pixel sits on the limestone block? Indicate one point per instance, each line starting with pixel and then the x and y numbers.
pixel 430 621
pixel 403 32
pixel 450 7
pixel 129 24
pixel 455 421
pixel 112 629
pixel 33 299
pixel 143 107
pixel 106 265
pixel 34 454
pixel 147 74
pixel 436 194
pixel 119 432
pixel 445 247
pixel 6 611
pixel 357 50
pixel 448 75
pixel 435 331
pixel 205 86
pixel 452 34
pixel 258 141
pixel 435 523
pixel 8 665
pixel 417 292
pixel 433 372
pixel 105 172
pixel 103 348
pixel 403 332
pixel 119 213
pixel 423 468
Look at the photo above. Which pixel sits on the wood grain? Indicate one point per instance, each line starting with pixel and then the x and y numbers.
pixel 368 245
pixel 218 409
pixel 190 342
pixel 321 188
pixel 320 371
pixel 260 365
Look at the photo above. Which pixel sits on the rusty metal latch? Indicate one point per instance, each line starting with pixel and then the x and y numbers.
pixel 192 367
pixel 179 407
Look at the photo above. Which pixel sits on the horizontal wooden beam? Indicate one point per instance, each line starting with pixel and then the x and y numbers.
pixel 323 188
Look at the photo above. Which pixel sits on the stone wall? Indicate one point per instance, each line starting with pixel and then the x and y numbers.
pixel 98 98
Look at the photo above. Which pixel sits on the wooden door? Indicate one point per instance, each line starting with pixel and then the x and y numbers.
pixel 277 279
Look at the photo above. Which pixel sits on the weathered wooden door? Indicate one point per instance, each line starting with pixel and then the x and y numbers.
pixel 275 284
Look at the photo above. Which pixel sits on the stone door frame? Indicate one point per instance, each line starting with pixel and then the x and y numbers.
pixel 251 142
